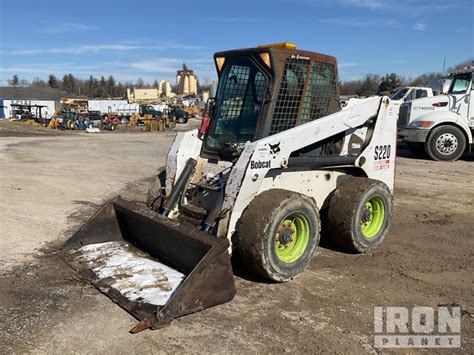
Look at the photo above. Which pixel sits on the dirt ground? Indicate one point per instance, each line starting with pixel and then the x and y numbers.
pixel 51 183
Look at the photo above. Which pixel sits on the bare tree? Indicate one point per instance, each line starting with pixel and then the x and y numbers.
pixel 14 81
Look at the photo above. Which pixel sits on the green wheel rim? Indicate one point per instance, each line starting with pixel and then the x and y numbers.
pixel 373 216
pixel 296 224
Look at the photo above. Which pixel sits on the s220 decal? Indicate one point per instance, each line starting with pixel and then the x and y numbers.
pixel 382 152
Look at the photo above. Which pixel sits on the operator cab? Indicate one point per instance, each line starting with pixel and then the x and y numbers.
pixel 266 90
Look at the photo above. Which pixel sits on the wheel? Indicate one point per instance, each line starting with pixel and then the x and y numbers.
pixel 278 234
pixel 181 120
pixel 112 127
pixel 70 124
pixel 445 143
pixel 416 148
pixel 359 214
pixel 154 196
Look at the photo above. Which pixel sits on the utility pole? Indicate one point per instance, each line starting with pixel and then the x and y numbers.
pixel 444 64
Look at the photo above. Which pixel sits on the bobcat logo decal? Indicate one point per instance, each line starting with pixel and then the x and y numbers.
pixel 274 148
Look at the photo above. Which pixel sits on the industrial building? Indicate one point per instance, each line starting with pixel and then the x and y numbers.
pixel 186 81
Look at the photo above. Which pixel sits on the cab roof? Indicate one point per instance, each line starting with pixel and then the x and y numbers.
pixel 278 52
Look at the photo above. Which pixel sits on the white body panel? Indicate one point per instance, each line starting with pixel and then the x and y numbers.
pixel 260 167
pixel 253 180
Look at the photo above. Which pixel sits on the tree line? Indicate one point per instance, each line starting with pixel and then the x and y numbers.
pixel 370 84
pixel 91 87
pixel 374 84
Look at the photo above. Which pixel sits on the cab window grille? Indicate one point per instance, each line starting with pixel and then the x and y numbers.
pixel 321 88
pixel 290 94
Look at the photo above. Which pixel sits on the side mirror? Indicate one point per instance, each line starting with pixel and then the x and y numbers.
pixel 211 104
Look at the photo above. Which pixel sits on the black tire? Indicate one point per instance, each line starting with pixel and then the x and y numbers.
pixel 154 196
pixel 416 148
pixel 262 223
pixel 445 143
pixel 181 120
pixel 347 209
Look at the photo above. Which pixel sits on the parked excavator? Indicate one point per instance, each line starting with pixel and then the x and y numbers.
pixel 275 153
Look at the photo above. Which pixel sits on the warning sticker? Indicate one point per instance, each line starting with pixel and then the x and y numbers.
pixel 382 164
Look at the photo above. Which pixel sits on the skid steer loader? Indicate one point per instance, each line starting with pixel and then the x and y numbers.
pixel 276 152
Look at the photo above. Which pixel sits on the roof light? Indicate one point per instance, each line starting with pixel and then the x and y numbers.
pixel 266 59
pixel 220 62
pixel 286 45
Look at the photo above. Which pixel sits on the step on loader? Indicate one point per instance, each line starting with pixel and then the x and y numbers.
pixel 275 152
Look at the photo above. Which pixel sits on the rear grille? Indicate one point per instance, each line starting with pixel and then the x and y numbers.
pixel 289 97
pixel 404 115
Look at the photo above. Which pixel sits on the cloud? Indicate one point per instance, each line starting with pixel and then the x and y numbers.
pixel 420 27
pixel 98 48
pixel 237 19
pixel 149 69
pixel 166 65
pixel 347 65
pixel 54 67
pixel 349 22
pixel 407 7
pixel 68 27
pixel 80 49
pixel 368 4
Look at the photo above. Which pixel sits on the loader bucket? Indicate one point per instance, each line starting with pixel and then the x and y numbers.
pixel 156 268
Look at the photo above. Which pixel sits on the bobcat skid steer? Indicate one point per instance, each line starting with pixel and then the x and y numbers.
pixel 275 152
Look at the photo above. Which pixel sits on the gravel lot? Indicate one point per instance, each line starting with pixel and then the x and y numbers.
pixel 51 183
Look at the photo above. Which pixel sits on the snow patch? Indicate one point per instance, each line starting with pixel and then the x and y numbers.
pixel 133 275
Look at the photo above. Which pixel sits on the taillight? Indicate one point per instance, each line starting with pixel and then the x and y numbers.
pixel 440 104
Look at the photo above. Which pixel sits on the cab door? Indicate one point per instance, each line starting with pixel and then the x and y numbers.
pixel 460 92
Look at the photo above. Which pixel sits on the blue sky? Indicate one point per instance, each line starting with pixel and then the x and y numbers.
pixel 150 39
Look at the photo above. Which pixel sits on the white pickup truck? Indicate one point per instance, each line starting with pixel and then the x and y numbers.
pixel 401 95
pixel 409 93
pixel 441 125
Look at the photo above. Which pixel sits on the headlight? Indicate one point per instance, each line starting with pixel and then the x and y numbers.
pixel 421 124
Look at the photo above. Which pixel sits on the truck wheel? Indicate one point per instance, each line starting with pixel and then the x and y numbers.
pixel 154 196
pixel 278 234
pixel 181 120
pixel 359 214
pixel 445 143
